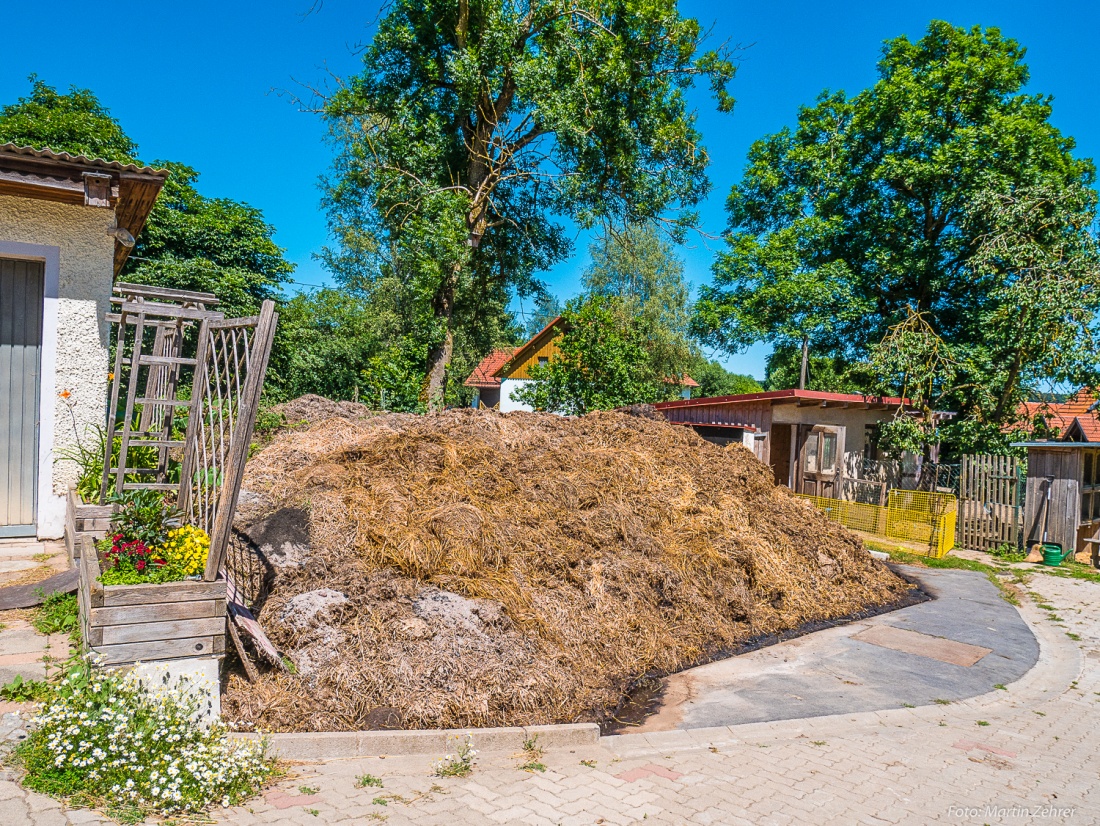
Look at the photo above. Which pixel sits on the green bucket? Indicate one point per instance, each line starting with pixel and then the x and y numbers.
pixel 1052 554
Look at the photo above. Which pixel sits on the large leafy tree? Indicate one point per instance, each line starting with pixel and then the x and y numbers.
pixel 75 122
pixel 218 245
pixel 944 193
pixel 637 266
pixel 475 122
pixel 715 380
pixel 189 241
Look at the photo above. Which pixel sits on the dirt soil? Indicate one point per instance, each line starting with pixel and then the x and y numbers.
pixel 481 569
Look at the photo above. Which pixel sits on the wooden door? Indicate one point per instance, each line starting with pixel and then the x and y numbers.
pixel 21 291
pixel 780 438
pixel 821 461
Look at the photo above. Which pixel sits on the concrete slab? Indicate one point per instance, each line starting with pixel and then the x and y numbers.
pixel 11 566
pixel 846 669
pixel 923 645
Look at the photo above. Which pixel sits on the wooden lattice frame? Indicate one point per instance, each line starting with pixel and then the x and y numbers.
pixel 232 361
pixel 227 378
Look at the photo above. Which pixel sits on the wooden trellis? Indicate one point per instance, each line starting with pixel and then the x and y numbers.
pixel 226 371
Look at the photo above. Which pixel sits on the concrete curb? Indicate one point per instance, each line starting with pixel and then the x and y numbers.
pixel 334 745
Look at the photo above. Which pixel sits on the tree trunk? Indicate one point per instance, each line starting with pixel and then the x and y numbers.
pixel 805 363
pixel 440 357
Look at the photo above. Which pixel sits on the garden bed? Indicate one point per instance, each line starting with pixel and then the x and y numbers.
pixel 131 623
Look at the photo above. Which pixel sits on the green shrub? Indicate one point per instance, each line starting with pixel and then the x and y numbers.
pixel 115 741
pixel 1008 553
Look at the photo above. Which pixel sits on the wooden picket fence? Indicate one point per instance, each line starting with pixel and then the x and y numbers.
pixel 991 500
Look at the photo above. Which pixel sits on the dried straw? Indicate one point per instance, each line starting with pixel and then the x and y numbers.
pixel 596 549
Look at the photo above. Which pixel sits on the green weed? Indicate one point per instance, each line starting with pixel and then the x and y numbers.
pixel 533 752
pixel 26 691
pixel 459 764
pixel 57 614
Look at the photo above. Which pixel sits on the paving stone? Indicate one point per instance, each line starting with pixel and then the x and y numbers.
pixel 897 766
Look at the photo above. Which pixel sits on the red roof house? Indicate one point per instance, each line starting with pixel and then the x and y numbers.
pixel 484 380
pixel 1077 419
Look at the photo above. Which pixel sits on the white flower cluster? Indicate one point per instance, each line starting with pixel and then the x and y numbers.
pixel 140 742
pixel 459 764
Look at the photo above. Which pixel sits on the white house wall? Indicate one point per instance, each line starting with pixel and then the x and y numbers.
pixel 73 242
pixel 507 388
pixel 853 419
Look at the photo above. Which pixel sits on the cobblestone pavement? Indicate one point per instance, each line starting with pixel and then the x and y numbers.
pixel 1021 753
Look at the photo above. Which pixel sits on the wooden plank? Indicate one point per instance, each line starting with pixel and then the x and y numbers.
pixel 165 402
pixel 88 510
pixel 243 618
pixel 250 669
pixel 112 410
pixel 160 361
pixel 89 567
pixel 156 308
pixel 194 417
pixel 235 323
pixel 159 650
pixel 147 291
pixel 131 394
pixel 162 612
pixel 28 596
pixel 188 590
pixel 116 318
pixel 162 631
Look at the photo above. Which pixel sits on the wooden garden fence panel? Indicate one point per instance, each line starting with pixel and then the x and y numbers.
pixel 991 499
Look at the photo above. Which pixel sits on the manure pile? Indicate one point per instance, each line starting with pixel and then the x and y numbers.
pixel 479 569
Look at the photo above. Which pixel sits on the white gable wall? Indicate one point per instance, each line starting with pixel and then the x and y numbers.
pixel 507 388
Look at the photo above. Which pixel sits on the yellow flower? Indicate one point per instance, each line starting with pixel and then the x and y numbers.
pixel 187 547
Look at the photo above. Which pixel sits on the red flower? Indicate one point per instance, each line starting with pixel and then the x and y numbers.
pixel 140 565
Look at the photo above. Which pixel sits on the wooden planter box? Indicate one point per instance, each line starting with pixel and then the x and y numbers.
pixel 131 623
pixel 84 520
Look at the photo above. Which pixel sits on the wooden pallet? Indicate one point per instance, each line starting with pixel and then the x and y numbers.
pixel 141 623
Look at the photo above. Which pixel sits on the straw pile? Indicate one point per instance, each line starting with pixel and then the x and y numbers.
pixel 479 569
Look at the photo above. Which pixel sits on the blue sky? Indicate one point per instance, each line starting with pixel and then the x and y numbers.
pixel 210 84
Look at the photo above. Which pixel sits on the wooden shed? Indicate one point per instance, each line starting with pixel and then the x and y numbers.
pixel 1063 496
